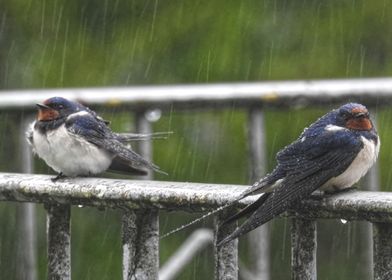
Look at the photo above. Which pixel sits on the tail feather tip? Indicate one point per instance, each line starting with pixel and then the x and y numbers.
pixel 224 241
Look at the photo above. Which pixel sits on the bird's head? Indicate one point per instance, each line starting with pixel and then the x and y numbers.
pixel 56 108
pixel 354 116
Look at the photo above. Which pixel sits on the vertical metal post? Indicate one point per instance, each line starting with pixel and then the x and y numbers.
pixel 27 234
pixel 226 256
pixel 382 251
pixel 259 239
pixel 371 182
pixel 303 249
pixel 141 228
pixel 145 147
pixel 59 242
pixel 140 245
pixel 372 178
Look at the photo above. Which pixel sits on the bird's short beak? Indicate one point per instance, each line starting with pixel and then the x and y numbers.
pixel 45 113
pixel 43 106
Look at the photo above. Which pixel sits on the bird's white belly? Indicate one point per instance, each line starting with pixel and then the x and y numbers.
pixel 358 168
pixel 69 153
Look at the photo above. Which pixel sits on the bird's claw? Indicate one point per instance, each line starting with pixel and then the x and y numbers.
pixel 59 176
pixel 337 191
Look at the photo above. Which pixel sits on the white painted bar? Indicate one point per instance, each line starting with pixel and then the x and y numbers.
pixel 375 90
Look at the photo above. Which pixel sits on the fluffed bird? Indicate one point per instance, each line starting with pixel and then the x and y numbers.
pixel 330 155
pixel 74 141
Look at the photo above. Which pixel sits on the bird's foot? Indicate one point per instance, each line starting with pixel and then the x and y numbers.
pixel 317 195
pixel 59 176
pixel 337 190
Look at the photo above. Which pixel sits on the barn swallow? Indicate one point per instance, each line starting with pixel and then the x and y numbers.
pixel 330 155
pixel 74 141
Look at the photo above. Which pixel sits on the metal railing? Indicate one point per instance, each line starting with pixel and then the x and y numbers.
pixel 137 196
pixel 142 200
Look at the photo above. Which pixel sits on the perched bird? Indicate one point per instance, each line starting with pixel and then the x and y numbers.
pixel 331 155
pixel 75 141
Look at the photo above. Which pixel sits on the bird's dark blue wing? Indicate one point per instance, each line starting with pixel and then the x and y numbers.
pixel 88 126
pixel 333 150
pixel 306 155
pixel 98 133
pixel 307 164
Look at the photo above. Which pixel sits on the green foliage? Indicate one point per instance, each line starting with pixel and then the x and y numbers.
pixel 83 43
pixel 80 43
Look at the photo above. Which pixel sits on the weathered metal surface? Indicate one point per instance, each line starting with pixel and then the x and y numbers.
pixel 115 193
pixel 59 242
pixel 226 256
pixel 382 251
pixel 196 242
pixel 259 239
pixel 140 244
pixel 303 249
pixel 140 228
pixel 351 205
pixel 282 93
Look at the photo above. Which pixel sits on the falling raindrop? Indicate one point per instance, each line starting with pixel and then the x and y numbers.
pixel 153 115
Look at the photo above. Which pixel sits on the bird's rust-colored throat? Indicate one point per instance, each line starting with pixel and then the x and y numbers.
pixel 361 123
pixel 47 114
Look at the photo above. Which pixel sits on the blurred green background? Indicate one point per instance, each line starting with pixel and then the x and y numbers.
pixel 85 43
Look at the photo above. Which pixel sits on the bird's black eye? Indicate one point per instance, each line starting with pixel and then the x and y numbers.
pixel 345 114
pixel 361 115
pixel 56 106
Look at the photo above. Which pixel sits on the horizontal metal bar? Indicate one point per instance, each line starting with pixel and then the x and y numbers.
pixel 282 93
pixel 115 192
pixel 351 205
pixel 362 205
